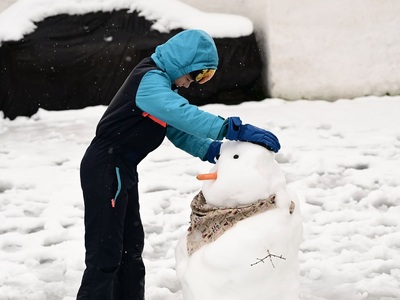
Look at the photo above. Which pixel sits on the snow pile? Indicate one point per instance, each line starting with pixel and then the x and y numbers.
pixel 341 158
pixel 19 19
pixel 328 49
pixel 349 49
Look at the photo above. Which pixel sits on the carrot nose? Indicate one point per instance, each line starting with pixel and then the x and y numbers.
pixel 208 176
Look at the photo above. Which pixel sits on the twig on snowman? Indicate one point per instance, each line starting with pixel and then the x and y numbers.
pixel 270 259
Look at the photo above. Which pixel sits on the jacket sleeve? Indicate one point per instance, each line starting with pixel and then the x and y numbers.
pixel 192 144
pixel 155 97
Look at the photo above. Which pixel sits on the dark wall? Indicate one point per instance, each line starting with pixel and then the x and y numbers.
pixel 74 61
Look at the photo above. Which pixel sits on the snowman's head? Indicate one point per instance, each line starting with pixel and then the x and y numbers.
pixel 245 173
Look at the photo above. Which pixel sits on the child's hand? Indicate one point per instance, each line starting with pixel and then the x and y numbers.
pixel 250 133
pixel 213 151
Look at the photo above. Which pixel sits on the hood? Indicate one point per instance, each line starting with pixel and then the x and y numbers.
pixel 188 51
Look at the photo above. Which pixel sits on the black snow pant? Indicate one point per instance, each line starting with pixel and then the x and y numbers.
pixel 114 236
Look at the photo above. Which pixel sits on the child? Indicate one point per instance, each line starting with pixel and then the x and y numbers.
pixel 142 113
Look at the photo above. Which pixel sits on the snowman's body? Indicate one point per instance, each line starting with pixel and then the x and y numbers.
pixel 257 258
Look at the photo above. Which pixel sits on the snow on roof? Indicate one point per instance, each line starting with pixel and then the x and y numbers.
pixel 19 19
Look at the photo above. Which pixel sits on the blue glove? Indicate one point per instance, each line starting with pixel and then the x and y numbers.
pixel 250 133
pixel 213 151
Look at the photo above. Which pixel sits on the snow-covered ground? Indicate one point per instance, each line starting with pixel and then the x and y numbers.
pixel 342 158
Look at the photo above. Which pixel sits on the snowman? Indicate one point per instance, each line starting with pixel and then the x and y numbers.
pixel 245 231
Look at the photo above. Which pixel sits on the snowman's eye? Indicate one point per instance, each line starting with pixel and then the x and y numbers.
pixel 235 156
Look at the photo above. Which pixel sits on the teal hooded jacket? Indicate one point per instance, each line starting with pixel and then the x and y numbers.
pixel 188 127
pixel 146 108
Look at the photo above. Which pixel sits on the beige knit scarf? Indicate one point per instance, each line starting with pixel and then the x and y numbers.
pixel 208 223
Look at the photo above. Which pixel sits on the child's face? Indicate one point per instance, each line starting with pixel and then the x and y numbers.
pixel 184 81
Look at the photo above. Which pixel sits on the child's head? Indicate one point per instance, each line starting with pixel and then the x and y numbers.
pixel 190 52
